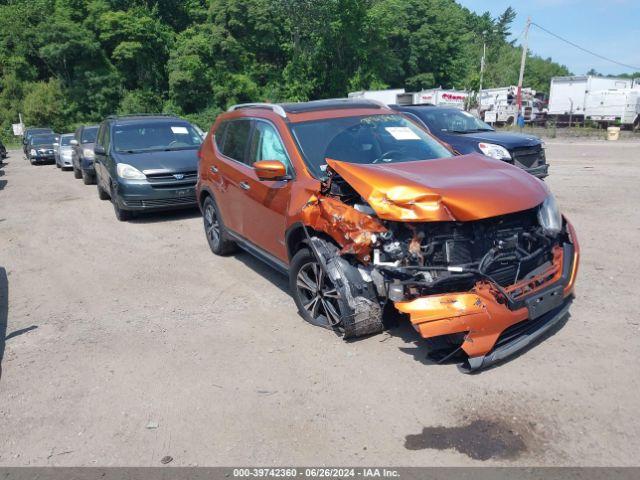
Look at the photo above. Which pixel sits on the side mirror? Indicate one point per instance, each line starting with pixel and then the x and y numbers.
pixel 99 150
pixel 270 170
pixel 73 142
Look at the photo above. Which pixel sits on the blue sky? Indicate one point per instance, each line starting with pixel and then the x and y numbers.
pixel 608 27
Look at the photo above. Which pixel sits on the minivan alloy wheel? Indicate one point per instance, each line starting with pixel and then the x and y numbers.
pixel 317 293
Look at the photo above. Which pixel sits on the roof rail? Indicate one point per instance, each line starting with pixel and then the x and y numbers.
pixel 270 106
pixel 380 103
pixel 115 115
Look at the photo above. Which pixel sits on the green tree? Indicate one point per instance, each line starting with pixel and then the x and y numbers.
pixel 45 104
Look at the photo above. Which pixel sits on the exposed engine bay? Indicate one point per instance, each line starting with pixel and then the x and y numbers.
pixel 411 259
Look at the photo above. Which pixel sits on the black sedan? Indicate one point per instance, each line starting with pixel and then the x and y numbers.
pixel 468 134
pixel 40 148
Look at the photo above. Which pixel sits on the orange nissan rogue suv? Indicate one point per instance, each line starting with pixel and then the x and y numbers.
pixel 362 208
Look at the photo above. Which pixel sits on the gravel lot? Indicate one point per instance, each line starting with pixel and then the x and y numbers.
pixel 128 342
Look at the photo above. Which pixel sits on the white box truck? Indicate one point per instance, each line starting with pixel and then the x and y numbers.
pixel 388 97
pixel 614 106
pixel 568 95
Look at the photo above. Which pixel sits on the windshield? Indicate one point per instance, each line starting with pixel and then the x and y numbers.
pixel 365 140
pixel 65 141
pixel 456 121
pixel 44 139
pixel 89 135
pixel 142 137
pixel 38 131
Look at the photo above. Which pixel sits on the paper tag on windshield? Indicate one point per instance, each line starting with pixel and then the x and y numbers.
pixel 180 130
pixel 402 133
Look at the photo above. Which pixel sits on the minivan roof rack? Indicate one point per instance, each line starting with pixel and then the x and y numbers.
pixel 270 106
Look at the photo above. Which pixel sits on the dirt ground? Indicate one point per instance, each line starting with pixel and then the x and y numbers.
pixel 129 342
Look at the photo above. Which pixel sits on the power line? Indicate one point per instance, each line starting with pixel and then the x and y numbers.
pixel 637 69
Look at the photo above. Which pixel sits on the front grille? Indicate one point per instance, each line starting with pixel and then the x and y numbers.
pixel 169 180
pixel 163 202
pixel 528 157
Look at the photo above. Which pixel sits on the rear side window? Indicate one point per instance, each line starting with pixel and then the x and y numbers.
pixel 236 139
pixel 219 135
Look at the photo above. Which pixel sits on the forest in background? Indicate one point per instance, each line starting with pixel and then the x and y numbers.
pixel 69 62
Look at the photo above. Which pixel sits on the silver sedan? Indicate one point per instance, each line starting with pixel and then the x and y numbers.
pixel 63 151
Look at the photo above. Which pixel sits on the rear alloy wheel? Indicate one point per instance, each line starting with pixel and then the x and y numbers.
pixel 215 230
pixel 318 296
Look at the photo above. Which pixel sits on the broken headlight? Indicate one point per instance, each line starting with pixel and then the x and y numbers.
pixel 549 216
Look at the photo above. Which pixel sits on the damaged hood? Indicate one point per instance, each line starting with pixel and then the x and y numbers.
pixel 460 188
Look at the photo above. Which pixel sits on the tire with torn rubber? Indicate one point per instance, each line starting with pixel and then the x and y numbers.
pixel 333 294
pixel 216 232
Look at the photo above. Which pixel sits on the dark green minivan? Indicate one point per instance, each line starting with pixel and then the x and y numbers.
pixel 146 162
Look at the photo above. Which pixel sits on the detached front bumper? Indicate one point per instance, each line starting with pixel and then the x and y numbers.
pixel 496 328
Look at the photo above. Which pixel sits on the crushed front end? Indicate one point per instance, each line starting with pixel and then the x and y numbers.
pixel 487 286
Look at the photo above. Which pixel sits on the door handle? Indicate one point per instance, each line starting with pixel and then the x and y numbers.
pixel 214 169
pixel 244 186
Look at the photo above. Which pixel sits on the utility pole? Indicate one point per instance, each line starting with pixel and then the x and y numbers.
pixel 482 60
pixel 522 63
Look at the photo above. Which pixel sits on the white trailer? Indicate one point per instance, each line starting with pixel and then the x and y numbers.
pixel 568 95
pixel 388 97
pixel 440 97
pixel 614 106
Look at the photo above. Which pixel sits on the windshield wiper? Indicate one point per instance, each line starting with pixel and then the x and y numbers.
pixel 175 149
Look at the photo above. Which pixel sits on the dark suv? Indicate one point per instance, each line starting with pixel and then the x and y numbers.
pixel 468 134
pixel 146 162
pixel 82 156
pixel 365 210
